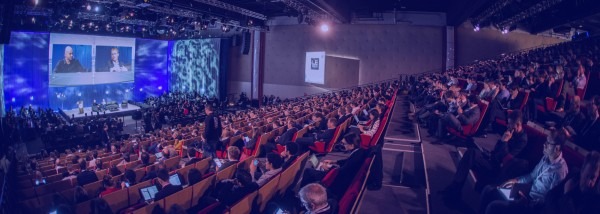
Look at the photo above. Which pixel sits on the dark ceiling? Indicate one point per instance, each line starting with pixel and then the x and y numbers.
pixel 196 15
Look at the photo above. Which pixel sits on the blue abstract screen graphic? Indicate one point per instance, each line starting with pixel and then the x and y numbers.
pixel 151 71
pixel 194 66
pixel 26 70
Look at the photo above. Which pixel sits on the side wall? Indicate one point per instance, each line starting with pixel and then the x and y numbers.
pixel 384 52
pixel 240 71
pixel 489 43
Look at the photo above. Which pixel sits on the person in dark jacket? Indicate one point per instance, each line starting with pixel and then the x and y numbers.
pixel 212 131
pixel 85 176
pixel 167 188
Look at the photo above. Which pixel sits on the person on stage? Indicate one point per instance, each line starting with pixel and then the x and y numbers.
pixel 80 105
pixel 69 64
pixel 114 65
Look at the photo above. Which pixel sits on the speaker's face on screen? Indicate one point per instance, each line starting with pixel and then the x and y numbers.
pixel 68 53
pixel 114 54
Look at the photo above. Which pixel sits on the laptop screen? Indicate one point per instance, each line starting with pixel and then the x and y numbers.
pixel 148 192
pixel 159 155
pixel 174 180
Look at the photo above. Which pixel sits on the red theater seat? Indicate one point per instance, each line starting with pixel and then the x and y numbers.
pixel 470 130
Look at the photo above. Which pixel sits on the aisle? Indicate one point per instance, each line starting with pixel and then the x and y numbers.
pixel 404 187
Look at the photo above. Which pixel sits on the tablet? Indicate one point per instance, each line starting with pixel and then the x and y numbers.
pixel 148 193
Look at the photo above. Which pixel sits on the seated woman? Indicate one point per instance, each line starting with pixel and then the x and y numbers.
pixel 371 129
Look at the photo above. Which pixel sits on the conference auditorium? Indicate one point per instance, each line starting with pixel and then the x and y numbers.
pixel 299 106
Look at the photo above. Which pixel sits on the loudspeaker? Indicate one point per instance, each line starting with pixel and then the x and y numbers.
pixel 236 40
pixel 246 39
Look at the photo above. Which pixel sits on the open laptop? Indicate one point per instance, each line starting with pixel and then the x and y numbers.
pixel 148 193
pixel 513 193
pixel 159 155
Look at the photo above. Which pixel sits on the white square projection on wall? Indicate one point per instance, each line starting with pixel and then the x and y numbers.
pixel 314 69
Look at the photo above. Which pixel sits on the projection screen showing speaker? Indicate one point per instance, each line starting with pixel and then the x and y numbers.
pixel 314 69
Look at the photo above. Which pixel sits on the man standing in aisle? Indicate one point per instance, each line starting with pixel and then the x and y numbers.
pixel 212 131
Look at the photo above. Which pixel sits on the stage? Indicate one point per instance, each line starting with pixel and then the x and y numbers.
pixel 121 112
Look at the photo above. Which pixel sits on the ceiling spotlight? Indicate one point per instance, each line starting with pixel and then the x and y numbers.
pixel 36 2
pixel 476 28
pixel 324 27
pixel 250 22
pixel 504 30
pixel 88 7
pixel 97 8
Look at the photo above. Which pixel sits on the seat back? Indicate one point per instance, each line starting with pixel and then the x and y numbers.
pixel 266 192
pixel 200 188
pixel 117 200
pixel 299 133
pixel 226 173
pixel 172 163
pixel 245 164
pixel 287 176
pixel 139 174
pixel 203 165
pixel 83 207
pixel 245 205
pixel 92 188
pixel 483 106
pixel 182 198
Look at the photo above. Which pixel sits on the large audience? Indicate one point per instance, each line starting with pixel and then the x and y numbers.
pixel 555 87
pixel 228 136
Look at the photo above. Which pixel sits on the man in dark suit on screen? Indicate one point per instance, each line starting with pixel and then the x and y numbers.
pixel 114 65
pixel 69 64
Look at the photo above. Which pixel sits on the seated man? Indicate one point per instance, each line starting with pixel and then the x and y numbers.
pixel 166 188
pixel 191 159
pixel 324 136
pixel 314 199
pixel 549 172
pixel 272 167
pixel 233 157
pixel 347 167
pixel 464 117
pixel 489 164
pixel 289 155
pixel 85 176
pixel 580 193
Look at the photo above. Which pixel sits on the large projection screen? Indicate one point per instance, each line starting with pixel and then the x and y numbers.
pixel 314 69
pixel 90 60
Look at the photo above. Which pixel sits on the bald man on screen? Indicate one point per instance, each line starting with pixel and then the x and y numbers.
pixel 69 64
